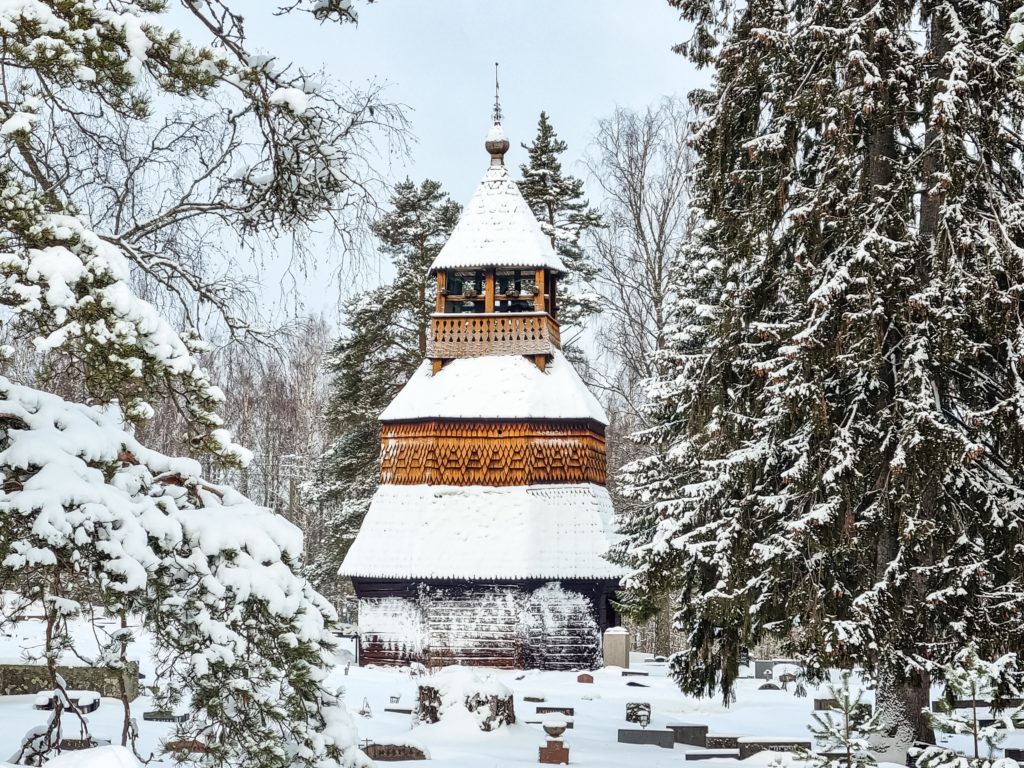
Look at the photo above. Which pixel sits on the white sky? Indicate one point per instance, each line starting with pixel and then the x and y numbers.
pixel 576 59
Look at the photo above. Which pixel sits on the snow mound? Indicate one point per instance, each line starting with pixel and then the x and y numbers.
pixel 496 387
pixel 97 757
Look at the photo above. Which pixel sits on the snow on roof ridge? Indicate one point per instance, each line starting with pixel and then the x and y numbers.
pixel 496 387
pixel 497 229
pixel 512 532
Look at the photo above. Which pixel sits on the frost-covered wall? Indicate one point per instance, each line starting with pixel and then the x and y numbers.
pixel 392 629
pixel 551 627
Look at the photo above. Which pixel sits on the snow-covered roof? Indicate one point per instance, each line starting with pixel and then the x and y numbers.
pixel 455 532
pixel 497 229
pixel 496 387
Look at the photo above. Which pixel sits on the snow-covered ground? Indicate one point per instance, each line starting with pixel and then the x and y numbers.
pixel 457 743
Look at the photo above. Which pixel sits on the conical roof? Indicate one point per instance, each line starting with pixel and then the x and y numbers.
pixel 497 227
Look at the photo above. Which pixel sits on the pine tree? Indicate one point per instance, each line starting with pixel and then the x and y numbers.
pixel 565 216
pixel 839 460
pixel 385 343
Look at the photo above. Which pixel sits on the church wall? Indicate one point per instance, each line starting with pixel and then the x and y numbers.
pixel 524 625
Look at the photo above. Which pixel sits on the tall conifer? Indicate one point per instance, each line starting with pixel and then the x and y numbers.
pixel 838 462
pixel 557 201
pixel 385 342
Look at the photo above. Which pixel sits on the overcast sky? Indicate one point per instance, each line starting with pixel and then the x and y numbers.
pixel 575 59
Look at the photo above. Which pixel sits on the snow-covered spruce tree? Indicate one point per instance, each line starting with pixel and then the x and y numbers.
pixel 843 733
pixel 384 343
pixel 557 201
pixel 840 460
pixel 92 521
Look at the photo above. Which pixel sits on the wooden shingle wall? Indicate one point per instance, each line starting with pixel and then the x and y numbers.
pixel 492 453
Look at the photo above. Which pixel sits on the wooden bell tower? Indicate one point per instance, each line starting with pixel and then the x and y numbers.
pixel 508 307
pixel 485 541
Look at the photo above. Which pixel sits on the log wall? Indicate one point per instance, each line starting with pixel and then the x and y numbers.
pixel 522 625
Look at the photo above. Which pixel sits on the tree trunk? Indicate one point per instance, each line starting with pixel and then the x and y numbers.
pixel 663 626
pixel 901 705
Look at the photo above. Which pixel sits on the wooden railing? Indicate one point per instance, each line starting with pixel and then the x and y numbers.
pixel 500 333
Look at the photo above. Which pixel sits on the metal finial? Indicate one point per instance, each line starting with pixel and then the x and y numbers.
pixel 497 100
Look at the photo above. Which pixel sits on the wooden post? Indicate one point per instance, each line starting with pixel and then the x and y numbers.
pixel 541 361
pixel 489 291
pixel 435 365
pixel 538 300
pixel 442 283
pixel 553 293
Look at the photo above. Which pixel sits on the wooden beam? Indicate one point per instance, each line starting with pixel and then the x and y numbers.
pixel 436 365
pixel 489 291
pixel 541 361
pixel 442 283
pixel 538 300
pixel 553 293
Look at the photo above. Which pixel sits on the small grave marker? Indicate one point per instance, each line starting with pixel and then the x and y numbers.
pixel 585 678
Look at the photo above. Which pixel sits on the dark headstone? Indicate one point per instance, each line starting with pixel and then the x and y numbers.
pixel 718 741
pixel 663 739
pixel 535 699
pixel 635 684
pixel 768 687
pixel 690 733
pixel 399 710
pixel 634 673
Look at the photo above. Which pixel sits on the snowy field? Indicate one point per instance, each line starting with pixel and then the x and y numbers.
pixel 456 742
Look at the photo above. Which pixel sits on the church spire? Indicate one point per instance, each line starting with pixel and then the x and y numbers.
pixel 496 143
pixel 497 100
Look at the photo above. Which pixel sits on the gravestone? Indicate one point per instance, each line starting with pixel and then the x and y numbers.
pixel 721 741
pixel 390 753
pixel 554 753
pixel 751 745
pixel 616 647
pixel 584 678
pixel 690 733
pixel 663 739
